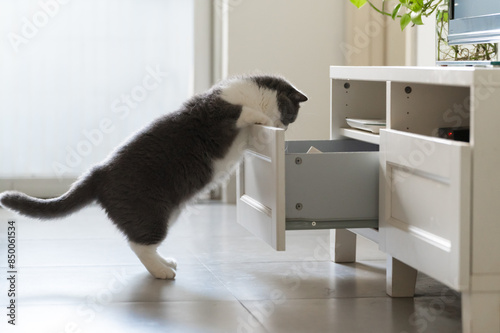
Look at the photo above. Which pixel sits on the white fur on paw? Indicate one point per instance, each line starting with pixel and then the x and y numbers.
pixel 158 266
pixel 163 272
pixel 251 116
pixel 170 262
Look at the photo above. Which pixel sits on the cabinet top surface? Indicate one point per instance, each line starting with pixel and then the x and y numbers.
pixel 454 76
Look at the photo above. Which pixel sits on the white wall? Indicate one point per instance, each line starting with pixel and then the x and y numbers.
pixel 296 38
pixel 425 42
pixel 376 40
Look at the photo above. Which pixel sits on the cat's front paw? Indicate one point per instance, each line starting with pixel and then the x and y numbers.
pixel 164 273
pixel 250 116
pixel 170 262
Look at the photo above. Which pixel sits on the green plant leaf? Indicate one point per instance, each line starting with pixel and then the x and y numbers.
pixel 358 3
pixel 416 18
pixel 408 3
pixel 405 20
pixel 396 11
pixel 439 16
pixel 445 16
pixel 414 6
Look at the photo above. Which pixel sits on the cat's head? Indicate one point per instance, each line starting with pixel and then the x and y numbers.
pixel 287 99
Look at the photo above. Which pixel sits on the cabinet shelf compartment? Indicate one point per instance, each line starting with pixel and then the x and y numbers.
pixel 349 100
pixel 281 187
pixel 424 108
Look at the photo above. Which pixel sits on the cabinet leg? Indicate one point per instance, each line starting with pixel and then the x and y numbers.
pixel 481 312
pixel 344 246
pixel 400 278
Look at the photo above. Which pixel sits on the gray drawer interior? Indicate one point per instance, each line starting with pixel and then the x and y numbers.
pixel 335 189
pixel 329 146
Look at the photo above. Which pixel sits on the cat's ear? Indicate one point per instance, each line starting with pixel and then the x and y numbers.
pixel 298 97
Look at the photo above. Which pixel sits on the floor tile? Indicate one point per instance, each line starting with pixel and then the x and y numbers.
pixel 360 315
pixel 81 252
pixel 306 279
pixel 78 285
pixel 248 248
pixel 175 317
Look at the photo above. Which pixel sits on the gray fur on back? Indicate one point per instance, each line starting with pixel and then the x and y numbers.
pixel 143 182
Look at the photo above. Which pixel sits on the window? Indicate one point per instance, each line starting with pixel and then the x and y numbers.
pixel 78 77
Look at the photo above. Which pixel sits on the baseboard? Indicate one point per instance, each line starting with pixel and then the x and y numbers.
pixel 38 187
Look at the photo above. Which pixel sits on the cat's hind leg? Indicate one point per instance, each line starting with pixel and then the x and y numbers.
pixel 159 267
pixel 145 223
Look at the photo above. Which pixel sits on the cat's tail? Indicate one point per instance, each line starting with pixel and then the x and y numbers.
pixel 81 193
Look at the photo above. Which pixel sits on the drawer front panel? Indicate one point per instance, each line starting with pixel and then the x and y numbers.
pixel 261 186
pixel 425 204
pixel 425 215
pixel 258 172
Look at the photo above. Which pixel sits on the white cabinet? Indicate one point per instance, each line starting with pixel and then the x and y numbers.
pixel 438 199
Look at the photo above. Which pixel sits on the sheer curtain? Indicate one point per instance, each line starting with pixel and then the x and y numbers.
pixel 78 77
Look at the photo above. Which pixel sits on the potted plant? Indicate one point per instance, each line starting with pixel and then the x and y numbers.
pixel 412 11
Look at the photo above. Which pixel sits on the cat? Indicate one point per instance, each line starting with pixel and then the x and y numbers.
pixel 143 184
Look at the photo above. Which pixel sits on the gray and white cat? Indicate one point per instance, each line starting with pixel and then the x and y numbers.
pixel 144 183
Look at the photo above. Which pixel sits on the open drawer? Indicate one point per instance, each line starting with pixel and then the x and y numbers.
pixel 281 187
pixel 425 204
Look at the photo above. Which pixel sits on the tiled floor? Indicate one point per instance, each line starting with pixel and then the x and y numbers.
pixel 78 275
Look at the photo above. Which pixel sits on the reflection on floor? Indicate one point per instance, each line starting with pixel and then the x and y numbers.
pixel 78 275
